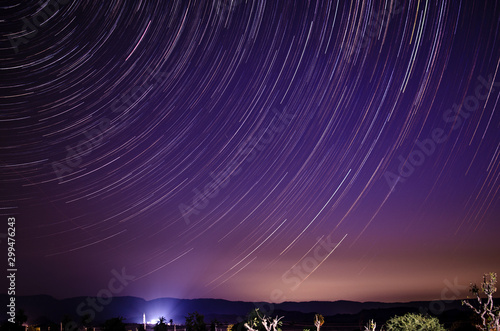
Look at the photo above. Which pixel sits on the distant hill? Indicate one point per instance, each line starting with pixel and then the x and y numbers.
pixel 46 308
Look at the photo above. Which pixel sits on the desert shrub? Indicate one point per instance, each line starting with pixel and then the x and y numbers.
pixel 414 322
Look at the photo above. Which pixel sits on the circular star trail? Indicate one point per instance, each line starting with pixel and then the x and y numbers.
pixel 229 149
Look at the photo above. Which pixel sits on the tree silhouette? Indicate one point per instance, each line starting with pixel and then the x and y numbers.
pixel 195 322
pixel 160 325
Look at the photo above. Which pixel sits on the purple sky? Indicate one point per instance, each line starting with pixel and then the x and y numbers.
pixel 252 150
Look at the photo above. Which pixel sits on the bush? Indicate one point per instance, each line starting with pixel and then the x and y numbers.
pixel 195 322
pixel 414 322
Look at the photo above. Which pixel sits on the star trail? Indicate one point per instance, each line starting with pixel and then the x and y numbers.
pixel 251 150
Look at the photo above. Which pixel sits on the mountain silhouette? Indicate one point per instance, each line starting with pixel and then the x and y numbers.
pixel 45 308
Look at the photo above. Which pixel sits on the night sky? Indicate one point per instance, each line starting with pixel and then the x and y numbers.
pixel 251 150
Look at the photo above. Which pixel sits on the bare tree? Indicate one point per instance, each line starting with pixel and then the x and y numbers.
pixel 319 320
pixel 490 314
pixel 370 326
pixel 267 322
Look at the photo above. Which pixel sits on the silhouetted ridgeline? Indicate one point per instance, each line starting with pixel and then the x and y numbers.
pixel 298 315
